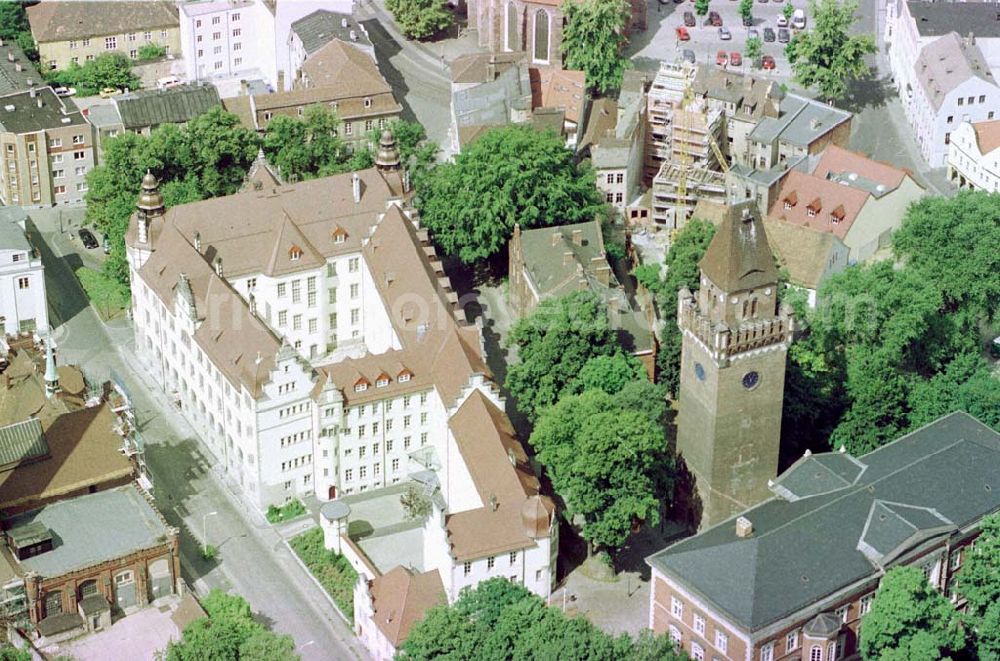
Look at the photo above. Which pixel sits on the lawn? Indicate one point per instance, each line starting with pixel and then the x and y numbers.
pixel 290 510
pixel 109 298
pixel 333 571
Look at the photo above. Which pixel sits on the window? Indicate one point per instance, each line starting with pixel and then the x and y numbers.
pixel 947 138
pixel 816 652
pixel 81 187
pixel 297 322
pixel 619 178
pixel 311 299
pixel 355 315
pixel 237 46
pixel 72 45
pixel 58 174
pixel 541 52
pixel 697 651
pixel 676 607
pixel 699 624
pixel 86 42
pixel 216 36
pixel 216 20
pixel 610 178
pixel 791 641
pixel 58 158
pixel 235 16
pixel 406 421
pixel 282 317
pixel 395 465
pixel 348 128
pixel 80 170
pixel 23 283
pixel 831 651
pixel 237 32
pixel 972 100
pixel 110 43
pixel 363 472
pixel 354 291
pixel 217 50
pixel 59 190
pixel 237 61
pixel 79 155
pixel 961 102
pixel 147 36
pixel 352 264
pixel 197 23
pixel 296 291
pixel 282 289
pixel 989 115
pixel 77 139
pixel 951 118
pixel 721 641
pixel 491 561
pixel 842 613
pixel 866 604
pixel 313 325
pixel 57 142
pixel 131 36
pixel 767 652
pixel 200 51
pixel 423 438
pixel 369 125
pixel 74 60
pixel 467 568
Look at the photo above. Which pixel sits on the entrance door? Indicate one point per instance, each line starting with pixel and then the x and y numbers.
pixel 125 589
pixel 333 492
pixel 159 578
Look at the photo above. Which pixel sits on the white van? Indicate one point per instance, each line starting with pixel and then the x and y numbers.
pixel 168 82
pixel 799 19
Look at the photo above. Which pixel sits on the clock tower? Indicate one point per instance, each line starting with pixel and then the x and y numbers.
pixel 732 370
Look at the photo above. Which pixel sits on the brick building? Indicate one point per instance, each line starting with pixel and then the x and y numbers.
pixel 794 577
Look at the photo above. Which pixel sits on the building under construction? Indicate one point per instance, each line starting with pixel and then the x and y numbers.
pixel 665 95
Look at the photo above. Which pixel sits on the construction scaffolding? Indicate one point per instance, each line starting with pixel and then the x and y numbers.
pixel 678 188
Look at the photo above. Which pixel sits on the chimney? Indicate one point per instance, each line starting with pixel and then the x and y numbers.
pixel 814 123
pixel 356 187
pixel 218 266
pixel 38 102
pixel 567 258
pixel 744 528
pixel 343 22
pixel 32 93
pixel 354 35
pixel 18 67
pixel 602 270
pixel 578 237
pixel 10 56
pixel 556 238
pixel 197 241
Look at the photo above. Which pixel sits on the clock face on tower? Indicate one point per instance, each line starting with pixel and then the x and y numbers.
pixel 750 380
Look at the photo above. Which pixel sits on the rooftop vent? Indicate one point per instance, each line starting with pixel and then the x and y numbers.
pixel 744 528
pixel 354 35
pixel 29 540
pixel 343 22
pixel 9 107
pixel 853 176
pixel 65 120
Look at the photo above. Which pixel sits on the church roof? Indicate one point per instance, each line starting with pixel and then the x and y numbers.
pixel 739 256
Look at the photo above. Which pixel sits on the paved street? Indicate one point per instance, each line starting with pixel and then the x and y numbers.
pixel 253 560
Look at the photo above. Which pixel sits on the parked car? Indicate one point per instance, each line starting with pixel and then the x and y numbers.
pixel 689 19
pixel 167 82
pixel 724 34
pixel 714 19
pixel 768 35
pixel 735 59
pixel 783 35
pixel 682 34
pixel 689 56
pixel 782 22
pixel 64 91
pixel 88 239
pixel 753 34
pixel 799 19
pixel 767 62
pixel 109 92
pixel 722 58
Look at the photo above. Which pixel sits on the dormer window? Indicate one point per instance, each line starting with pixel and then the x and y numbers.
pixel 404 377
pixel 339 235
pixel 368 102
pixel 295 253
pixel 788 205
pixel 813 208
pixel 382 382
pixel 811 212
pixel 361 386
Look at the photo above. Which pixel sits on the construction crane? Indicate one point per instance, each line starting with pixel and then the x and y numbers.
pixel 718 153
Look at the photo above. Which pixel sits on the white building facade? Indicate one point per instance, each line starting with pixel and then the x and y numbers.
pixel 23 305
pixel 974 156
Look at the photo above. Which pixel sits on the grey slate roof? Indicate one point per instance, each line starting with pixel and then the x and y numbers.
pixel 943 476
pixel 12 236
pixel 22 441
pixel 934 19
pixel 19 113
pixel 946 63
pixel 490 104
pixel 104 115
pixel 321 27
pixel 802 121
pixel 11 59
pixel 176 105
pixel 82 526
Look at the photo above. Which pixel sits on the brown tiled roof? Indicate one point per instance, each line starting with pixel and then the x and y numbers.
pixel 987 135
pixel 602 120
pixel 824 197
pixel 241 107
pixel 739 257
pixel 84 450
pixel 804 252
pixel 500 471
pixel 346 69
pixel 52 20
pixel 482 67
pixel 400 598
pixel 558 88
pixel 837 160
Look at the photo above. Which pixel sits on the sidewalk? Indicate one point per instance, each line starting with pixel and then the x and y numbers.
pixel 436 54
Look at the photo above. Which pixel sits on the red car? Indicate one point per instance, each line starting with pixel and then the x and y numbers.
pixel 735 59
pixel 767 62
pixel 682 34
pixel 721 58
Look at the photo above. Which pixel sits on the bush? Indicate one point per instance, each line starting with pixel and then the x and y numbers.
pixel 151 52
pixel 107 70
pixel 333 571
pixel 286 512
pixel 209 552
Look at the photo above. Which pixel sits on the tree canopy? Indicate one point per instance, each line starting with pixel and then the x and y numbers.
pixel 701 7
pixel 311 146
pixel 419 19
pixel 681 266
pixel 554 343
pixel 15 27
pixel 502 620
pixel 594 40
pixel 827 55
pixel 890 348
pixel 512 174
pixel 229 633
pixel 909 620
pixel 979 583
pixel 106 70
pixel 609 464
pixel 746 9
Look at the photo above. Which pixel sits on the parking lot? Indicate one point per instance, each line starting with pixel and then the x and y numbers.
pixel 660 41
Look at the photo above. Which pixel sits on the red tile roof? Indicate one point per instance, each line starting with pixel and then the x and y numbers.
pixel 836 160
pixel 987 135
pixel 827 201
pixel 400 598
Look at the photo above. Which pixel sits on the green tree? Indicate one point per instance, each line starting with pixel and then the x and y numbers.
pixel 553 344
pixel 828 55
pixel 106 70
pixel 787 11
pixel 701 7
pixel 753 49
pixel 11 653
pixel 609 464
pixel 305 148
pixel 14 26
pixel 594 40
pixel 979 583
pixel 909 619
pixel 746 11
pixel 512 174
pixel 151 51
pixel 609 373
pixel 105 293
pixel 419 19
pixel 681 267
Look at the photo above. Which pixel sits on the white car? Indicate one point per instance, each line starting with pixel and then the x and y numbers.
pixel 64 91
pixel 782 22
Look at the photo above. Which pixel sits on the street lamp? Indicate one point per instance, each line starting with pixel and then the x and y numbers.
pixel 204 532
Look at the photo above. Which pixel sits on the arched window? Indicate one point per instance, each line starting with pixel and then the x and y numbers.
pixel 53 603
pixel 753 307
pixel 746 308
pixel 511 42
pixel 816 653
pixel 831 651
pixel 541 51
pixel 88 589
